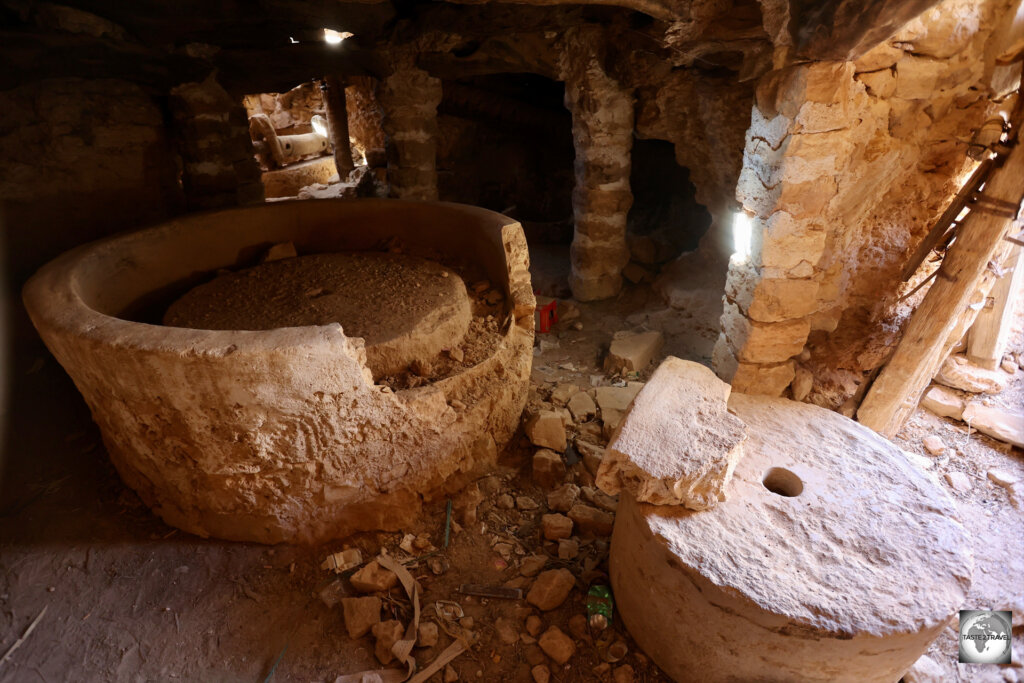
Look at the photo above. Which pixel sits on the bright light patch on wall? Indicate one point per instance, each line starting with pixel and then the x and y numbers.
pixel 332 37
pixel 319 125
pixel 741 229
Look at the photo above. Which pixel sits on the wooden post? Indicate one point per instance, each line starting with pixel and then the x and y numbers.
pixel 337 125
pixel 896 392
pixel 990 332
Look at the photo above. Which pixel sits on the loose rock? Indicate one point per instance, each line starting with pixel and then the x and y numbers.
pixel 590 520
pixel 532 564
pixel 361 615
pixel 450 674
pixel 960 373
pixel 624 674
pixel 546 429
pixel 1001 478
pixel 557 645
pixel 563 498
pixel 387 633
pixel 568 549
pixel 541 674
pixel 958 481
pixel 613 403
pixel 551 589
pixel 996 422
pixel 556 526
pixel 548 469
pixel 633 352
pixel 943 402
pixel 582 407
pixel 426 634
pixel 561 394
pixel 373 578
pixel 534 625
pixel 933 444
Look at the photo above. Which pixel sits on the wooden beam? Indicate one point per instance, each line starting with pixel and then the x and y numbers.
pixel 896 392
pixel 990 332
pixel 337 125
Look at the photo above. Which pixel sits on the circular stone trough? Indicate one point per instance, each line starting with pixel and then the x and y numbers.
pixel 833 558
pixel 282 434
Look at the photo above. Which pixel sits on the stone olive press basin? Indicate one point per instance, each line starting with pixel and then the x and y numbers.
pixel 281 435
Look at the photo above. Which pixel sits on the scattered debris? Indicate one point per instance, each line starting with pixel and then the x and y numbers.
pixel 483 591
pixel 349 558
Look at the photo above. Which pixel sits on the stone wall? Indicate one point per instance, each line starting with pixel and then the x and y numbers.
pixel 219 168
pixel 81 159
pixel 408 99
pixel 290 112
pixel 846 165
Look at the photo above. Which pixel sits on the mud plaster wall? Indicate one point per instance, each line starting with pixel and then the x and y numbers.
pixel 846 165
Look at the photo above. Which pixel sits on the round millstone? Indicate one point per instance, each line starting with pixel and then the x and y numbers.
pixel 833 558
pixel 406 309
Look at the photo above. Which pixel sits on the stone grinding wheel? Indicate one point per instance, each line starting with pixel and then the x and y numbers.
pixel 406 309
pixel 834 558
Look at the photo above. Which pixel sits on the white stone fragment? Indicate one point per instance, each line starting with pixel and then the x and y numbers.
pixel 678 444
pixel 996 422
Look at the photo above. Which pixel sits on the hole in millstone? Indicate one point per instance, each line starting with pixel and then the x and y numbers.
pixel 782 482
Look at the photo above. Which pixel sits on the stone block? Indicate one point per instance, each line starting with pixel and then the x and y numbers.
pixel 763 379
pixel 678 444
pixel 777 300
pixel 613 402
pixel 550 589
pixel 759 342
pixel 546 429
pixel 960 373
pixel 999 423
pixel 633 352
pixel 943 402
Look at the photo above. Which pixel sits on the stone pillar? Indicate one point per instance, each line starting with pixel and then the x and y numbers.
pixel 219 168
pixel 602 131
pixel 800 135
pixel 408 100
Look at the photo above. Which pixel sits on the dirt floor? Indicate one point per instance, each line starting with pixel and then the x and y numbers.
pixel 128 598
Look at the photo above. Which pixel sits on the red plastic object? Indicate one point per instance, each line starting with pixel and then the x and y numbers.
pixel 548 315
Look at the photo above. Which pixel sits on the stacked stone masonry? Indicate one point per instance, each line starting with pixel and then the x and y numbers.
pixel 219 169
pixel 602 129
pixel 408 100
pixel 845 167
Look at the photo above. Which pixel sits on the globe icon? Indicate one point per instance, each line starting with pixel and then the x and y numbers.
pixel 985 638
